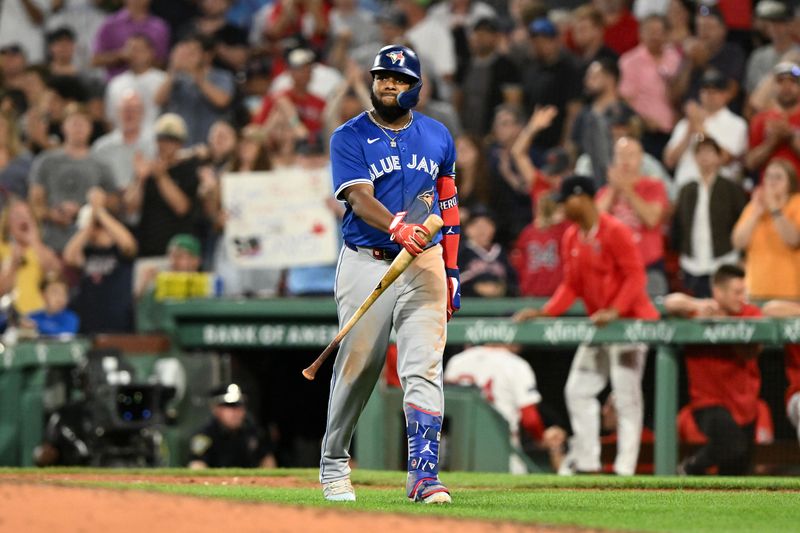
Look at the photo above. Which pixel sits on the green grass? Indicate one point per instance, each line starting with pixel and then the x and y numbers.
pixel 635 504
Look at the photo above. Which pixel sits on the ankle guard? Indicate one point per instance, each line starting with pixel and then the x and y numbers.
pixel 424 431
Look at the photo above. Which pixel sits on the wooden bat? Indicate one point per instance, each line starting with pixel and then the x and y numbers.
pixel 398 266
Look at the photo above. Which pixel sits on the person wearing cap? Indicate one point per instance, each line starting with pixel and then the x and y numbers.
pixel 164 192
pixel 141 76
pixel 485 269
pixel 602 267
pixel 705 215
pixel 777 20
pixel 773 132
pixel 710 49
pixel 183 255
pixel 194 89
pixel 490 78
pixel 709 118
pixel 102 251
pixel 296 106
pixel 231 439
pixel 646 76
pixel 551 78
pixel 61 179
pixel 642 204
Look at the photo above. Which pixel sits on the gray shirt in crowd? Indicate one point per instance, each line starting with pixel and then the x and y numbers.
pixel 66 179
pixel 112 150
pixel 188 101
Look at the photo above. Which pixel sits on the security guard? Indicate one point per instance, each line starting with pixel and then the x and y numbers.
pixel 231 438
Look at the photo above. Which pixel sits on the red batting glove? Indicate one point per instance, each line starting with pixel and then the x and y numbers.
pixel 409 236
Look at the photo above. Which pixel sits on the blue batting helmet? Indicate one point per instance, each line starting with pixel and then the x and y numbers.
pixel 396 58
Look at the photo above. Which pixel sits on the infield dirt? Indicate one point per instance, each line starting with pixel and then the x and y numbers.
pixel 40 504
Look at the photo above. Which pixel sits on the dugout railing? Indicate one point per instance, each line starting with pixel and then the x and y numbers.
pixel 309 324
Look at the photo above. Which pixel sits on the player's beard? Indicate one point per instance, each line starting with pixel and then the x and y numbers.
pixel 388 113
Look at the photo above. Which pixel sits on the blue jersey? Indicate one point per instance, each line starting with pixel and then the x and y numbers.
pixel 404 177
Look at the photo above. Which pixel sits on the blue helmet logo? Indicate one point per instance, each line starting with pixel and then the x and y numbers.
pixel 403 60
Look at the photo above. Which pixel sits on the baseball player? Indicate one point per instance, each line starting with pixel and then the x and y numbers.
pixel 724 380
pixel 393 167
pixel 508 383
pixel 603 267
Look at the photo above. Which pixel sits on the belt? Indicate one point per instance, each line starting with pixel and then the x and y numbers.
pixel 379 254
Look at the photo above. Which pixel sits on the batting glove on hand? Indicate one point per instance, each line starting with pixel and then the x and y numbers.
pixel 453 291
pixel 412 237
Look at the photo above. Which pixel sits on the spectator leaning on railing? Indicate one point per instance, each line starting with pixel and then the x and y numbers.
pixel 603 267
pixel 724 380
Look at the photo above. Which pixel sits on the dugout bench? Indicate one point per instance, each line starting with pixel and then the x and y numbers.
pixel 309 324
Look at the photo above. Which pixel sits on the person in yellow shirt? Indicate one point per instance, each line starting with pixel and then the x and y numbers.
pixel 769 232
pixel 24 260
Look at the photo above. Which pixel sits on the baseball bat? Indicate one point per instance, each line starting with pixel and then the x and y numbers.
pixel 434 223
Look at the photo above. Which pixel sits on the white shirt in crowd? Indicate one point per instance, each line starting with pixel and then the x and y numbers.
pixel 145 85
pixel 324 81
pixel 17 27
pixel 506 380
pixel 433 42
pixel 477 11
pixel 727 128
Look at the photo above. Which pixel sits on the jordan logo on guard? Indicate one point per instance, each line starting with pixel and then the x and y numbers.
pixel 427 448
pixel 396 56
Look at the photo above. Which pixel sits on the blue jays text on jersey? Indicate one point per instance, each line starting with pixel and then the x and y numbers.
pixel 403 176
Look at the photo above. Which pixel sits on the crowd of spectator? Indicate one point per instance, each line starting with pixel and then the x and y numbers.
pixel 119 117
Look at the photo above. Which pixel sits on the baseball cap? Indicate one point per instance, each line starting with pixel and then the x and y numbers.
pixel 186 242
pixel 786 68
pixel 490 24
pixel 710 10
pixel 62 32
pixel 714 79
pixel 300 57
pixel 556 161
pixel 773 10
pixel 12 48
pixel 575 185
pixel 542 26
pixel 171 126
pixel 228 394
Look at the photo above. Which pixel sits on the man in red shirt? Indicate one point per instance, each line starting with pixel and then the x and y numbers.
pixel 300 108
pixel 786 309
pixel 724 381
pixel 775 132
pixel 641 203
pixel 603 267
